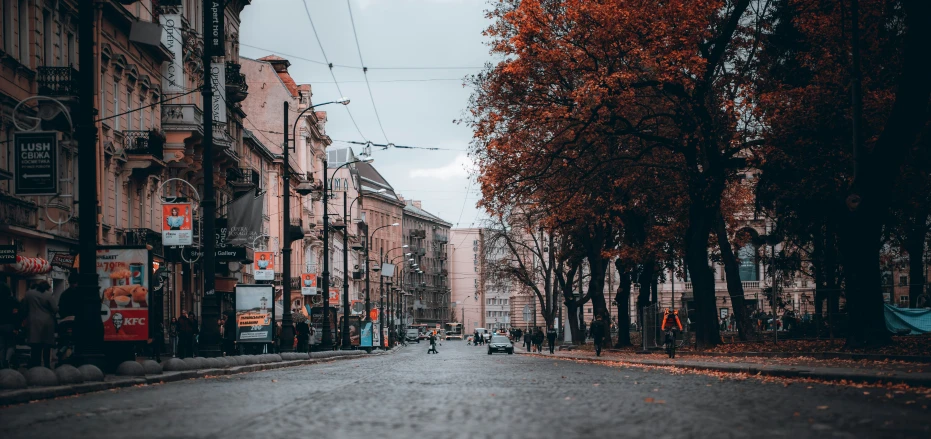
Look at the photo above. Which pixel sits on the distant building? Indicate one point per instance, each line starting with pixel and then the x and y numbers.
pixel 428 281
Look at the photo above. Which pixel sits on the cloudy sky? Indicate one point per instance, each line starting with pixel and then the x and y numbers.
pixel 417 53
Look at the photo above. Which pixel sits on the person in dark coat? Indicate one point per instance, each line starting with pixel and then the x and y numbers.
pixel 40 323
pixel 597 329
pixel 229 333
pixel 302 332
pixel 538 340
pixel 9 322
pixel 185 336
pixel 551 338
pixel 527 344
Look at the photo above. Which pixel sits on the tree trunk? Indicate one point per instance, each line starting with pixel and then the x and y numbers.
pixel 572 317
pixel 622 299
pixel 705 323
pixel 915 246
pixel 735 288
pixel 644 280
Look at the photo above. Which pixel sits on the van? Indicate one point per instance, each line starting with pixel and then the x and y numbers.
pixel 412 334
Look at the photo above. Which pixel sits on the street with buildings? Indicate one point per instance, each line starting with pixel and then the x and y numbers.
pixel 713 216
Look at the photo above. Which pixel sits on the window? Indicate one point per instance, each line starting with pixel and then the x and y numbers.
pixel 70 51
pixel 903 301
pixel 141 112
pixel 748 263
pixel 103 99
pixel 903 281
pixel 116 104
pixel 24 32
pixel 48 53
pixel 7 26
pixel 129 117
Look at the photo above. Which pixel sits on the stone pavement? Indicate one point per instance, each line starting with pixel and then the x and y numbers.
pixel 464 393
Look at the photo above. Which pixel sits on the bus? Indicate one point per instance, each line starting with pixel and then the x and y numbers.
pixel 454 331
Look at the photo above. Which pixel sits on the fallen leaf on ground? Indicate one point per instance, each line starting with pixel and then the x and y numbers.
pixel 274 381
pixel 822 407
pixel 648 400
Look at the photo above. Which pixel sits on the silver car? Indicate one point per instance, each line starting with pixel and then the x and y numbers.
pixel 500 343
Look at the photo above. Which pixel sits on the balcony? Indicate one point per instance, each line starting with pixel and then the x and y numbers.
pixel 418 234
pixel 146 237
pixel 57 81
pixel 182 117
pixel 242 179
pixel 236 87
pixel 17 212
pixel 144 149
pixel 440 239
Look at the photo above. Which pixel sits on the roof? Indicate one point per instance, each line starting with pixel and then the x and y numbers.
pixel 414 210
pixel 373 181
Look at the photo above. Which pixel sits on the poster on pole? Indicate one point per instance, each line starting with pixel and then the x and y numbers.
pixel 334 296
pixel 376 334
pixel 354 327
pixel 264 266
pixel 218 81
pixel 177 226
pixel 367 339
pixel 35 163
pixel 254 317
pixel 215 38
pixel 309 284
pixel 124 276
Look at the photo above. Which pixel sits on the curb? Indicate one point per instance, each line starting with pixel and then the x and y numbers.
pixel 817 373
pixel 12 397
pixel 819 356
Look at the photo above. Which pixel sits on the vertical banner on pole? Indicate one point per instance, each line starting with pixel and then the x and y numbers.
pixel 218 82
pixel 214 39
pixel 173 70
pixel 177 224
pixel 35 163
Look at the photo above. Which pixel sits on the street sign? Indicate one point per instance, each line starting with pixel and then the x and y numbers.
pixel 225 254
pixel 7 254
pixel 214 38
pixel 35 163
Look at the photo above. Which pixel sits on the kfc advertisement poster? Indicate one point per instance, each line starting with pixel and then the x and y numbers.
pixel 177 226
pixel 308 284
pixel 124 276
pixel 264 266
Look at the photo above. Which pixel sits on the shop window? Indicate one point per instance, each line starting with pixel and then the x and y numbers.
pixel 903 301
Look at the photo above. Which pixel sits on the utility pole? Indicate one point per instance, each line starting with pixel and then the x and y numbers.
pixel 210 312
pixel 345 331
pixel 381 297
pixel 327 342
pixel 287 326
pixel 88 328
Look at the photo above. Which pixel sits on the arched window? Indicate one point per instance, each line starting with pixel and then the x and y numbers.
pixel 749 263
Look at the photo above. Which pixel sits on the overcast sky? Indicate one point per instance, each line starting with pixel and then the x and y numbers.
pixel 417 107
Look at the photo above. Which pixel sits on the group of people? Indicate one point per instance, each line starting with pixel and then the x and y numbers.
pixel 184 332
pixel 38 320
pixel 533 340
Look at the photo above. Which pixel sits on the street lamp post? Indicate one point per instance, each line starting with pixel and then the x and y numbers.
pixel 287 329
pixel 382 290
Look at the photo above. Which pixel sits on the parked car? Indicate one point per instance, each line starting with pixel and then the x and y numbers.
pixel 500 343
pixel 412 335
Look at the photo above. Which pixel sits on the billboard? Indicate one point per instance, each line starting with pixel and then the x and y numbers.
pixel 367 339
pixel 177 224
pixel 316 323
pixel 309 284
pixel 254 314
pixel 355 330
pixel 264 266
pixel 35 163
pixel 125 279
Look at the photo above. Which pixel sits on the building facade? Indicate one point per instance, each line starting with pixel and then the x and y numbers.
pixel 426 278
pixel 466 285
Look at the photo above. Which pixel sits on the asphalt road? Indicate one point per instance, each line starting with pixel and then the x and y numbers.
pixel 464 393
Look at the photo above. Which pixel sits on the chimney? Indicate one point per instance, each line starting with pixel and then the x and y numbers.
pixel 417 204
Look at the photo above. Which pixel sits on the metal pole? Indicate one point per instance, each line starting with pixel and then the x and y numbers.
pixel 365 226
pixel 773 267
pixel 381 297
pixel 88 328
pixel 210 305
pixel 287 326
pixel 347 344
pixel 327 342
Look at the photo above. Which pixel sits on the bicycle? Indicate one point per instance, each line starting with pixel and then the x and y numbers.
pixel 670 343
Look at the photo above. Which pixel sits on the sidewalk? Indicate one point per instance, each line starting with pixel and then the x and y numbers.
pixel 863 371
pixel 19 396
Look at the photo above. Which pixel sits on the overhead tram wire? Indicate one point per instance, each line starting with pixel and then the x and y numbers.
pixel 385 146
pixel 344 66
pixel 365 71
pixel 330 65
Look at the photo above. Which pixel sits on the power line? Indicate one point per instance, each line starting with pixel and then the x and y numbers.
pixel 365 72
pixel 146 106
pixel 385 146
pixel 330 65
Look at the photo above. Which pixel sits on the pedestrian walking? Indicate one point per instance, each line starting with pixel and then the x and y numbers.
pixel 196 344
pixel 538 339
pixel 551 338
pixel 40 323
pixel 432 340
pixel 527 344
pixel 9 322
pixel 597 329
pixel 185 336
pixel 302 330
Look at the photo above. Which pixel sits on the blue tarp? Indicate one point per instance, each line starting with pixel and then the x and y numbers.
pixel 916 320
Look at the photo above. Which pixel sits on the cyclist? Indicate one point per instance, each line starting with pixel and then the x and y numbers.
pixel 671 325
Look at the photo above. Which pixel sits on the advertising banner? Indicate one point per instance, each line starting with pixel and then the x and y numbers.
pixel 35 163
pixel 355 330
pixel 309 284
pixel 316 323
pixel 214 38
pixel 177 224
pixel 245 220
pixel 124 276
pixel 367 335
pixel 334 296
pixel 264 266
pixel 254 315
pixel 218 80
pixel 173 70
pixel 376 334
